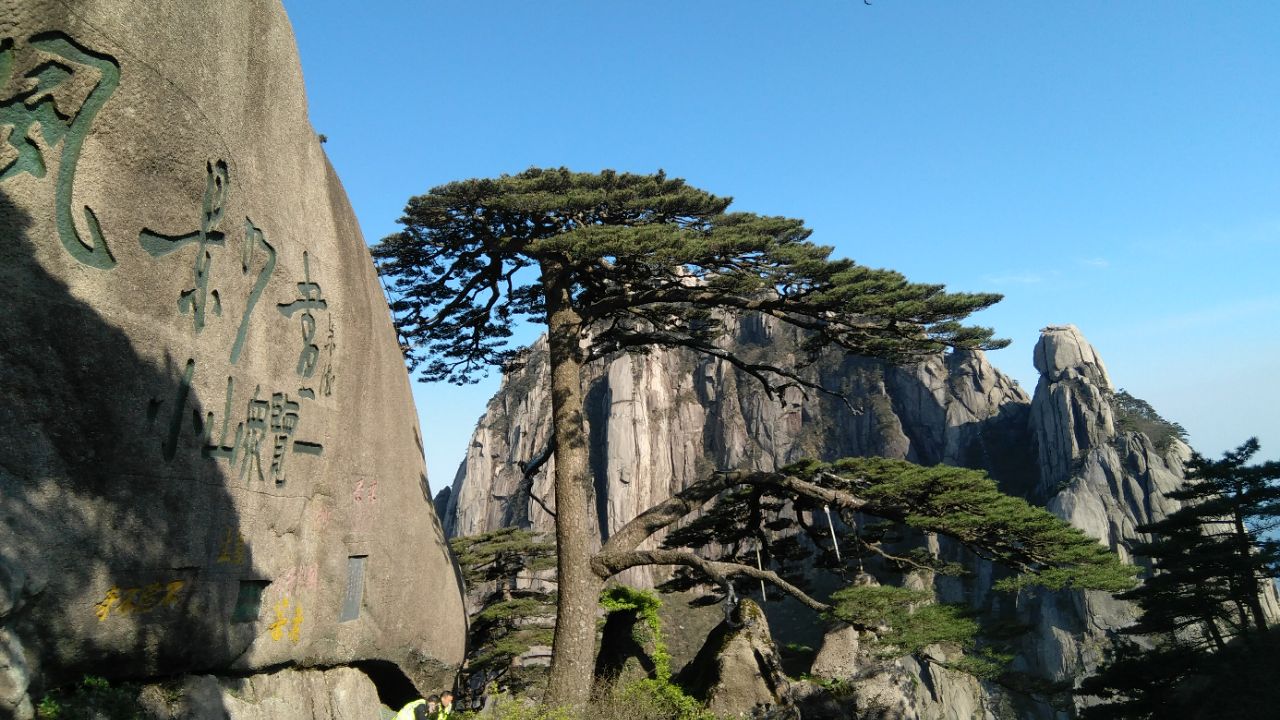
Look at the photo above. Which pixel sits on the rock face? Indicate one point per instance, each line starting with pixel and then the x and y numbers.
pixel 660 420
pixel 1072 415
pixel 338 694
pixel 209 455
pixel 893 688
pixel 1100 479
pixel 657 422
pixel 738 672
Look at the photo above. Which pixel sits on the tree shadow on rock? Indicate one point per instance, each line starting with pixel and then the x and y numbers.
pixel 121 553
pixel 622 657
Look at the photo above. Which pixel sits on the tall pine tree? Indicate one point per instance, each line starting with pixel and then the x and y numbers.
pixel 613 262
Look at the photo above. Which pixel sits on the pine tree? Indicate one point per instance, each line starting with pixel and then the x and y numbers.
pixel 1212 560
pixel 1236 508
pixel 499 567
pixel 613 262
pixel 782 526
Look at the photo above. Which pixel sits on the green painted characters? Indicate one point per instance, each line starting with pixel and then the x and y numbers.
pixel 35 120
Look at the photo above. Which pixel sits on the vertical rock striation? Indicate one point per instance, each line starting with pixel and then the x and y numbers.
pixel 660 420
pixel 1103 480
pixel 657 421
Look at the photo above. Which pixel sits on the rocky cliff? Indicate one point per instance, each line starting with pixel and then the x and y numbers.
pixel 1100 478
pixel 209 456
pixel 660 420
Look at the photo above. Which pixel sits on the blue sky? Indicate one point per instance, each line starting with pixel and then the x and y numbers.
pixel 1111 165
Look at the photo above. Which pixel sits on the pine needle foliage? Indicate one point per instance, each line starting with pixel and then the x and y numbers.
pixel 502 554
pixel 960 503
pixel 513 618
pixel 910 618
pixel 648 258
pixel 1213 557
pixel 1203 623
pixel 892 499
pixel 616 262
pixel 513 610
pixel 1134 414
pixel 910 622
pixel 93 698
pixel 967 506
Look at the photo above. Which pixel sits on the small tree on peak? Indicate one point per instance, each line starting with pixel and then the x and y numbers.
pixel 614 262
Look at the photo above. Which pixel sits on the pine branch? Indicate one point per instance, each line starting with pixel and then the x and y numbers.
pixel 530 469
pixel 607 564
pixel 685 502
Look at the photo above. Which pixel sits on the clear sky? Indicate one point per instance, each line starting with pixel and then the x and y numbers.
pixel 1115 165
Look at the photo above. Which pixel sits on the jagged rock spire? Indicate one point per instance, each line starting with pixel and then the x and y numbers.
pixel 1071 413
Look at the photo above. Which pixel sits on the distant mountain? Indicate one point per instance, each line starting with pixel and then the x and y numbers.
pixel 660 420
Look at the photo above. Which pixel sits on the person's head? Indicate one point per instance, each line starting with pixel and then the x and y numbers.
pixel 433 701
pixel 446 698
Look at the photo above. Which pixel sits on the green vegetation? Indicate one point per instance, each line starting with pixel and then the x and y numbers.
pixel 622 598
pixel 1136 415
pixel 614 262
pixel 966 505
pixel 910 619
pixel 634 248
pixel 654 698
pixel 635 701
pixel 501 566
pixel 93 698
pixel 893 495
pixel 878 501
pixel 657 692
pixel 911 622
pixel 1203 623
pixel 509 708
pixel 503 555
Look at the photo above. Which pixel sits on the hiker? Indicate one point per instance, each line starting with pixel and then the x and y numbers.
pixel 446 706
pixel 420 709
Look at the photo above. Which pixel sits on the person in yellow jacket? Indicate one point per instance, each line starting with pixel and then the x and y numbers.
pixel 446 706
pixel 420 709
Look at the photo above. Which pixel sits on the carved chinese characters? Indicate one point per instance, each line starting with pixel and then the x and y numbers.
pixel 193 301
pixel 185 293
pixel 38 117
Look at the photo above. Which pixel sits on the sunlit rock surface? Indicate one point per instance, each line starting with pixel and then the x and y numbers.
pixel 738 671
pixel 659 421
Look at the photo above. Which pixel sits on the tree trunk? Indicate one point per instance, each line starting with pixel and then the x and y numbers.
pixel 1252 589
pixel 1211 629
pixel 573 649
